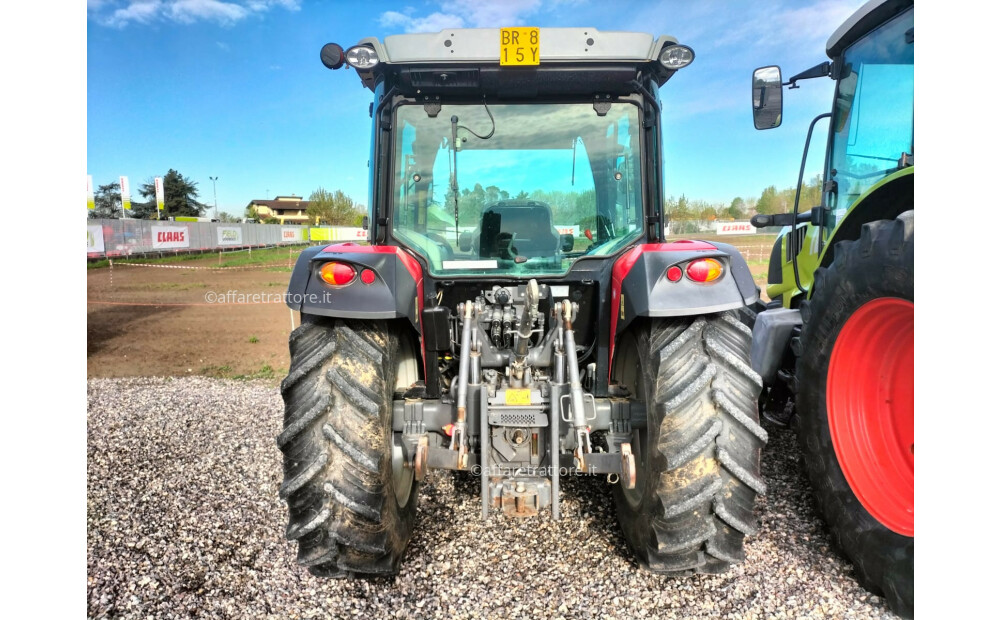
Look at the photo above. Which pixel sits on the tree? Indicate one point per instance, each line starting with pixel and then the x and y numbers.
pixel 228 218
pixel 180 197
pixel 107 202
pixel 320 209
pixel 336 209
pixel 345 210
pixel 767 204
pixel 737 209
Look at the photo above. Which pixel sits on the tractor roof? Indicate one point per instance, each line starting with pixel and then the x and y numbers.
pixel 864 20
pixel 581 60
pixel 482 45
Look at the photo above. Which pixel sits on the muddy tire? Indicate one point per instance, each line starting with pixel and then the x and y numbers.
pixel 347 511
pixel 855 404
pixel 698 459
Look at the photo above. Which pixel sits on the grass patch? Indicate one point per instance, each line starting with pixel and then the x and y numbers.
pixel 173 286
pixel 219 372
pixel 229 259
pixel 265 372
pixel 254 340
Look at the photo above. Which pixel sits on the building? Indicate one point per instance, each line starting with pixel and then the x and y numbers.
pixel 286 209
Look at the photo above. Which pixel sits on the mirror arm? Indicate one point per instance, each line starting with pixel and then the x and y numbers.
pixel 823 69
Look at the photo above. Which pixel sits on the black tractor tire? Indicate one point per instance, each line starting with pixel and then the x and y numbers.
pixel 337 446
pixel 698 458
pixel 877 266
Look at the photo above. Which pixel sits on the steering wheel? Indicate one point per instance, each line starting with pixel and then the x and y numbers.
pixel 446 252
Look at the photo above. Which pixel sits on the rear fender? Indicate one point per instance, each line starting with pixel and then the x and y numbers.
pixel 640 288
pixel 394 293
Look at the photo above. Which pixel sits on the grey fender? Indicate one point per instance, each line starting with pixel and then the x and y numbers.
pixel 640 288
pixel 393 293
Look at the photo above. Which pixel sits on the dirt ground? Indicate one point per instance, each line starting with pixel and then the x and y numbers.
pixel 166 321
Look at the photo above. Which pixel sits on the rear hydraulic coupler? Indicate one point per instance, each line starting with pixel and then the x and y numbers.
pixel 459 436
pixel 577 415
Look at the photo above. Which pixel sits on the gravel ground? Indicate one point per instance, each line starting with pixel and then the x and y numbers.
pixel 183 519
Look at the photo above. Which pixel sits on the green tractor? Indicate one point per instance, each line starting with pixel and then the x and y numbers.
pixel 834 346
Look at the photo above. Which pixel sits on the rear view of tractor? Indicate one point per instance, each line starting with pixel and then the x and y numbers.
pixel 517 314
pixel 837 338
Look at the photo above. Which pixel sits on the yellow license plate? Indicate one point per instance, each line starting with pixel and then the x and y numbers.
pixel 519 46
pixel 518 397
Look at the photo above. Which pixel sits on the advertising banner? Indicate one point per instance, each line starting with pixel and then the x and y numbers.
pixel 170 237
pixel 297 233
pixel 95 239
pixel 230 235
pixel 321 234
pixel 569 230
pixel 158 181
pixel 90 192
pixel 126 196
pixel 734 228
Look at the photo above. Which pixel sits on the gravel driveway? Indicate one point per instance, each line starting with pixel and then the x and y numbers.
pixel 183 519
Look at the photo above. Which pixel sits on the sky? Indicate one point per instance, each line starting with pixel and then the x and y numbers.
pixel 235 89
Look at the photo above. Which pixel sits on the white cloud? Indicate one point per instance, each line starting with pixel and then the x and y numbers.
pixel 466 13
pixel 435 22
pixel 190 11
pixel 492 14
pixel 181 11
pixel 141 12
pixel 390 19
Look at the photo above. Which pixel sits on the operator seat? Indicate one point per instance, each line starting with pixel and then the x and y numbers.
pixel 512 228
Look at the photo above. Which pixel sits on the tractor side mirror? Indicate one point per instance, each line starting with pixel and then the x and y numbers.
pixel 766 96
pixel 567 242
pixel 465 241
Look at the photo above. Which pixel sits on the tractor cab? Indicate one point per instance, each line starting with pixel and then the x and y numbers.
pixel 562 135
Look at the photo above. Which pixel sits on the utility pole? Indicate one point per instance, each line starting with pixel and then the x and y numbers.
pixel 215 197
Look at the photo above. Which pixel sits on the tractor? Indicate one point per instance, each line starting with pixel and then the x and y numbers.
pixel 834 345
pixel 517 315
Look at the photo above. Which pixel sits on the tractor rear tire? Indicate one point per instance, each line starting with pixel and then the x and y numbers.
pixel 698 458
pixel 348 511
pixel 855 404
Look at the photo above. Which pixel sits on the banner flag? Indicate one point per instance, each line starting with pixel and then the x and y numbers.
pixel 126 197
pixel 158 181
pixel 90 192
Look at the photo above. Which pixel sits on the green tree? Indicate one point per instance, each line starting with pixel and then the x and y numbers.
pixel 345 211
pixel 180 198
pixel 767 204
pixel 737 209
pixel 320 209
pixel 228 218
pixel 333 209
pixel 107 202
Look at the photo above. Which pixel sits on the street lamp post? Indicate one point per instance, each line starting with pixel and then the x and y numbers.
pixel 215 196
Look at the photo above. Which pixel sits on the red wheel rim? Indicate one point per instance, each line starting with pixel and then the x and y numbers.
pixel 869 398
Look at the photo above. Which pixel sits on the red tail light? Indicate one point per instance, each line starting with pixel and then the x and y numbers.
pixel 704 270
pixel 337 274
